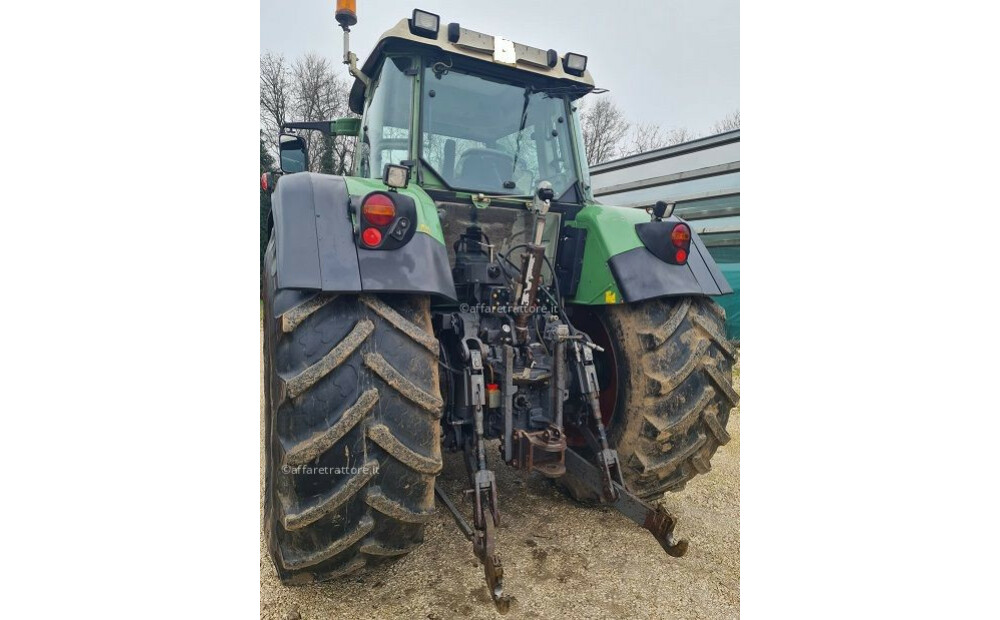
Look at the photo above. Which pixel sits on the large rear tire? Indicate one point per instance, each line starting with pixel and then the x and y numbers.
pixel 352 430
pixel 668 378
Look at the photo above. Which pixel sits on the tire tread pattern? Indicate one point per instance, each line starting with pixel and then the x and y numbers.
pixel 350 382
pixel 677 394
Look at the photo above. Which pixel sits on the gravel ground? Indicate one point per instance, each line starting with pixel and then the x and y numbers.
pixel 559 558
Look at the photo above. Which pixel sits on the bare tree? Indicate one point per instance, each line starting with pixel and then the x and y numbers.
pixel 681 134
pixel 645 137
pixel 604 128
pixel 275 97
pixel 650 136
pixel 320 95
pixel 729 123
pixel 308 90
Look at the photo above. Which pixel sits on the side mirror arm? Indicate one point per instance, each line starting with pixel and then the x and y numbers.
pixel 321 126
pixel 347 126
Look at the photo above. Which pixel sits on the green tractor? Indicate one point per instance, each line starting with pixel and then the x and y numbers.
pixel 463 290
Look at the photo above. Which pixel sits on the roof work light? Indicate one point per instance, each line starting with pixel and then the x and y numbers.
pixel 575 63
pixel 425 24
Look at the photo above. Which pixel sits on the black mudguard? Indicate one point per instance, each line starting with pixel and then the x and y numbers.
pixel 316 249
pixel 642 274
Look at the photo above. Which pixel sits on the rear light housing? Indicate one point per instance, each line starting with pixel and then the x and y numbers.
pixel 680 238
pixel 386 220
pixel 267 182
pixel 668 240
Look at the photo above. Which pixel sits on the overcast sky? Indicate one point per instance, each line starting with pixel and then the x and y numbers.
pixel 671 62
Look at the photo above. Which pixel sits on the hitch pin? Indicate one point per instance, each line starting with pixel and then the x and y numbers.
pixel 586 343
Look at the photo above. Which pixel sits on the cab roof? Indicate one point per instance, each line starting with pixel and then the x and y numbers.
pixel 465 43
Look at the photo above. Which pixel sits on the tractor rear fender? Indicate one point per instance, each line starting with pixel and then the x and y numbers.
pixel 316 247
pixel 619 268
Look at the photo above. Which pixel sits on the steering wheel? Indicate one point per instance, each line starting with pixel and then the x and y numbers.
pixel 496 161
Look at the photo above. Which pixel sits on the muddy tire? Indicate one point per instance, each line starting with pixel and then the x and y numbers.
pixel 673 389
pixel 352 430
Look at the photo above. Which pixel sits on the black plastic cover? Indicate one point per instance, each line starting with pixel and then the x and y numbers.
pixel 569 259
pixel 314 238
pixel 421 266
pixel 315 247
pixel 642 275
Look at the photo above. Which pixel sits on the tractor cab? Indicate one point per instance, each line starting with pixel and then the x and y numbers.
pixel 470 112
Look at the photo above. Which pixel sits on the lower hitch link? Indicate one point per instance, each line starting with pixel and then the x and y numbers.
pixel 656 519
pixel 607 480
pixel 483 545
pixel 486 512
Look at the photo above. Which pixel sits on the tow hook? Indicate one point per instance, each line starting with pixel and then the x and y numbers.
pixel 656 519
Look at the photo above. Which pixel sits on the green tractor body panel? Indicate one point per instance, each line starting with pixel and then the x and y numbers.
pixel 610 231
pixel 618 267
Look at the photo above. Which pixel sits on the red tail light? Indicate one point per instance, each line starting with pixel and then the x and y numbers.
pixel 371 237
pixel 263 181
pixel 680 236
pixel 668 240
pixel 378 210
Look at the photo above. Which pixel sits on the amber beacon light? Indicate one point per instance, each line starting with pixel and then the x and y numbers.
pixel 347 12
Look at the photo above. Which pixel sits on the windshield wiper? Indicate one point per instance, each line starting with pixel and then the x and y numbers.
pixel 517 142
